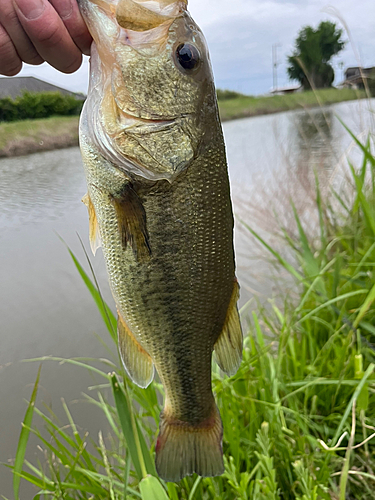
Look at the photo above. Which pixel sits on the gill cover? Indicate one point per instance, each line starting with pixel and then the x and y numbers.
pixel 143 110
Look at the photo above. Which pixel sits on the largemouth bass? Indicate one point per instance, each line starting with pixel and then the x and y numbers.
pixel 159 205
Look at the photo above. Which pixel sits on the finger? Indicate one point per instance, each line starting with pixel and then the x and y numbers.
pixel 69 12
pixel 48 34
pixel 21 42
pixel 11 64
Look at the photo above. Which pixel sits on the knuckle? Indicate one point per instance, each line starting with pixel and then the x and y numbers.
pixel 26 51
pixel 49 35
pixel 33 58
pixel 81 35
pixel 11 63
pixel 11 69
pixel 9 17
pixel 29 54
pixel 71 68
pixel 83 41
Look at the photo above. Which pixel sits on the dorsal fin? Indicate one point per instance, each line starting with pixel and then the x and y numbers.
pixel 94 233
pixel 136 360
pixel 228 347
pixel 132 223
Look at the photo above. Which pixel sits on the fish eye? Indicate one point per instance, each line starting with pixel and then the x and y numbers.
pixel 188 56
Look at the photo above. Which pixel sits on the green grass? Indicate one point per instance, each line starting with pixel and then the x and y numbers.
pixel 244 106
pixel 299 416
pixel 28 136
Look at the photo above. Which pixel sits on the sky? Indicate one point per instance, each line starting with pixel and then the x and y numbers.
pixel 241 33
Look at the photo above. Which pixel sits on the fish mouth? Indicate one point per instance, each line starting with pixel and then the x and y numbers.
pixel 137 15
pixel 130 122
pixel 112 117
pixel 142 25
pixel 141 15
pixel 137 23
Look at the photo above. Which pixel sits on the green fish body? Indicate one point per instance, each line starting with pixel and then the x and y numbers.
pixel 159 206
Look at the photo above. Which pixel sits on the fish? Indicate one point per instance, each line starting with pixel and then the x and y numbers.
pixel 160 208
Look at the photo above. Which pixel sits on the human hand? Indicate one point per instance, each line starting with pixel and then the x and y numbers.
pixel 34 31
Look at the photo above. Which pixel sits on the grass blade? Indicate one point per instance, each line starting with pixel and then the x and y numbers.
pixel 105 311
pixel 151 489
pixel 366 207
pixel 135 441
pixel 356 393
pixel 24 437
pixel 365 306
pixel 332 301
pixel 282 261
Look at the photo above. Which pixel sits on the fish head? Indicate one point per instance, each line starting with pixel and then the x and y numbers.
pixel 151 99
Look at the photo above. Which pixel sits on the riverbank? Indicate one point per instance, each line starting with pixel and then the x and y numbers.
pixel 31 136
pixel 247 106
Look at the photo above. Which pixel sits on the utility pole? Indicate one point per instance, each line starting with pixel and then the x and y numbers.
pixel 275 64
pixel 341 66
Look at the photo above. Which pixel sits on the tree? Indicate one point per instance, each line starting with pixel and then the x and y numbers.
pixel 314 48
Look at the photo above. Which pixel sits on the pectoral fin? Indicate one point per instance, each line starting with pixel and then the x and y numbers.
pixel 136 360
pixel 132 223
pixel 228 348
pixel 94 234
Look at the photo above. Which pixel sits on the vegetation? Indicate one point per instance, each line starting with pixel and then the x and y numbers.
pixel 224 95
pixel 34 105
pixel 246 106
pixel 30 136
pixel 314 48
pixel 298 416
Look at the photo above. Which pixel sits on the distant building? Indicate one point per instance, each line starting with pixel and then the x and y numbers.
pixel 355 77
pixel 290 89
pixel 16 85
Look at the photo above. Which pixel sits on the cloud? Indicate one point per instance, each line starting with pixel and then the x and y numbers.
pixel 240 34
pixel 241 45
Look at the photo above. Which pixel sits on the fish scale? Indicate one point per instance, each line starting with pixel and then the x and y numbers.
pixel 159 203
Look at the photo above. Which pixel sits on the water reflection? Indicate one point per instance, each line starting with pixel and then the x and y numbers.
pixel 315 146
pixel 272 160
pixel 41 186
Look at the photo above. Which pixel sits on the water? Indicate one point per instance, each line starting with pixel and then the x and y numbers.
pixel 45 308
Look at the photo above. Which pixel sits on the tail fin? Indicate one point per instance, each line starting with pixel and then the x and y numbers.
pixel 183 449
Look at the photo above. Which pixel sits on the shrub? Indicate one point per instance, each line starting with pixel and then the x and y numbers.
pixel 8 110
pixel 33 105
pixel 224 95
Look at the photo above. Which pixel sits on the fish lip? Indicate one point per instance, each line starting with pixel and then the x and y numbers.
pixel 162 121
pixel 140 119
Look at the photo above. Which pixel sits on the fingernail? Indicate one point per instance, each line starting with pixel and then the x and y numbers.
pixel 31 9
pixel 64 9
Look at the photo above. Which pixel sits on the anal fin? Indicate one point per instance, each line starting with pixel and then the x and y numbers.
pixel 228 347
pixel 132 223
pixel 94 234
pixel 136 360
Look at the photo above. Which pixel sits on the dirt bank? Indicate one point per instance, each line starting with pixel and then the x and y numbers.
pixel 32 136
